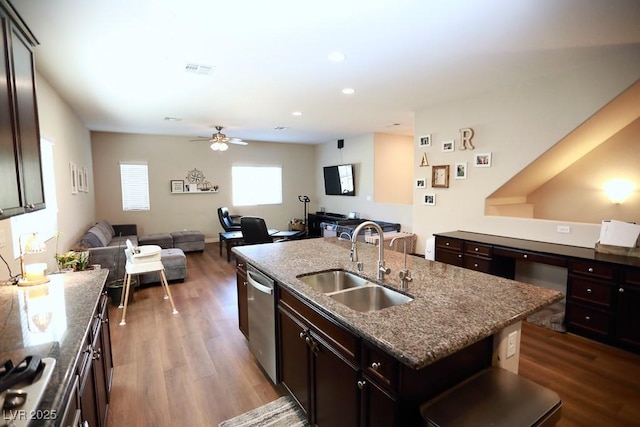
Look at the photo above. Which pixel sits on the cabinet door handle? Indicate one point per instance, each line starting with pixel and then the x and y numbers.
pixel 525 256
pixel 476 249
pixel 361 384
pixel 460 256
pixel 589 290
pixel 240 264
pixel 621 290
pixel 590 270
pixel 375 366
pixel 475 265
pixel 96 354
pixel 587 318
pixel 303 335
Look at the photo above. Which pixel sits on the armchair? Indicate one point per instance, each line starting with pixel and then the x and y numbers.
pixel 254 230
pixel 229 222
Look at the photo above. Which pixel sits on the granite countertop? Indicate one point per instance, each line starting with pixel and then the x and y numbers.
pixel 452 308
pixel 68 303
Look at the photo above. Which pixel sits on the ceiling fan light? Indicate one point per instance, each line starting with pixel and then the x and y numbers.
pixel 215 146
pixel 223 146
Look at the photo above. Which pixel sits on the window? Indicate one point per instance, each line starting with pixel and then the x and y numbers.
pixel 256 185
pixel 134 180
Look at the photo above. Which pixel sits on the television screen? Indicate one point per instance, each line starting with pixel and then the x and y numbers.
pixel 338 180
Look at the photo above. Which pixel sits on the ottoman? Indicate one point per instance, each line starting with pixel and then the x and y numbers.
pixel 188 241
pixel 164 240
pixel 175 267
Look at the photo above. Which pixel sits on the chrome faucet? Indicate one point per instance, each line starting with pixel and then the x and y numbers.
pixel 404 274
pixel 382 270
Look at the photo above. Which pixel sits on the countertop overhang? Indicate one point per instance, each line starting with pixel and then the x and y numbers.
pixel 452 308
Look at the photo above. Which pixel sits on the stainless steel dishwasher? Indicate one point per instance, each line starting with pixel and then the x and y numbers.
pixel 262 325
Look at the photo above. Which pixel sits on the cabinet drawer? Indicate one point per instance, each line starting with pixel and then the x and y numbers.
pixel 338 337
pixel 590 291
pixel 478 264
pixel 380 367
pixel 477 249
pixel 453 244
pixel 449 257
pixel 590 319
pixel 632 277
pixel 592 269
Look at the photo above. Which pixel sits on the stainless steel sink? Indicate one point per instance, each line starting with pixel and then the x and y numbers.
pixel 333 280
pixel 370 298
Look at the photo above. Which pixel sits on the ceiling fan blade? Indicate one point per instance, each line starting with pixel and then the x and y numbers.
pixel 203 139
pixel 237 141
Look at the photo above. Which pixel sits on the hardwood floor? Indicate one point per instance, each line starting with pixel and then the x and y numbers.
pixel 195 369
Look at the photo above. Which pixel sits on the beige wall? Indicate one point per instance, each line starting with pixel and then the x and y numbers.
pixel 516 124
pixel 577 194
pixel 171 157
pixel 71 143
pixel 361 151
pixel 393 177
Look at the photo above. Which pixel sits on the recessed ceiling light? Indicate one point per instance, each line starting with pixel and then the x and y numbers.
pixel 348 91
pixel 296 113
pixel 336 57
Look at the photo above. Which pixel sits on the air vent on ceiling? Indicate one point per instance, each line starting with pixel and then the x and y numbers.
pixel 199 69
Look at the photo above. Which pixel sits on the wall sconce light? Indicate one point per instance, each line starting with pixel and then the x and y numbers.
pixel 32 274
pixel 618 190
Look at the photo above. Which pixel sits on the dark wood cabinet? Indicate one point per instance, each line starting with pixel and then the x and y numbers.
pixel 20 160
pixel 379 408
pixel 241 283
pixel 449 251
pixel 295 370
pixel 628 314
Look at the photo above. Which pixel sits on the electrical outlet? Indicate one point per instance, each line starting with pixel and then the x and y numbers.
pixel 512 345
pixel 564 229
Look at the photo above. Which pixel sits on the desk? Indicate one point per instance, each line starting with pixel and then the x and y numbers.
pixel 234 238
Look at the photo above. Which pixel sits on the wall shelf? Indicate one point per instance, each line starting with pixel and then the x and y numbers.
pixel 194 192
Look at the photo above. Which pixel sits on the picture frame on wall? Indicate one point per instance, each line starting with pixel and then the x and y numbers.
pixel 80 179
pixel 421 183
pixel 85 173
pixel 177 186
pixel 449 145
pixel 73 175
pixel 429 199
pixel 460 171
pixel 425 141
pixel 440 176
pixel 482 160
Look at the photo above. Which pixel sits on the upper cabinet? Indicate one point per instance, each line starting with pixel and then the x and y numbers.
pixel 20 161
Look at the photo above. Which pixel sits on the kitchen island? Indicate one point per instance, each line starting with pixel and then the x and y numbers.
pixel 454 326
pixel 65 320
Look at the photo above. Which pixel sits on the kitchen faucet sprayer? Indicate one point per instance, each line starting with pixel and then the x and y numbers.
pixel 382 270
pixel 404 274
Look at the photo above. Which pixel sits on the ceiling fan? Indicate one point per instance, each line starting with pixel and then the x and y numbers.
pixel 219 141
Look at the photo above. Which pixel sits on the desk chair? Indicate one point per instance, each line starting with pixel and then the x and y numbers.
pixel 142 259
pixel 229 222
pixel 254 231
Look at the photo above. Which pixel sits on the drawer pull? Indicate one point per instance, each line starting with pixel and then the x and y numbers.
pixel 589 290
pixel 587 318
pixel 525 256
pixel 459 255
pixel 590 270
pixel 446 243
pixel 375 366
pixel 475 265
pixel 361 384
pixel 476 249
pixel 621 290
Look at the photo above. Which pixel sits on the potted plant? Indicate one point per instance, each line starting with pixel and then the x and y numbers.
pixel 74 260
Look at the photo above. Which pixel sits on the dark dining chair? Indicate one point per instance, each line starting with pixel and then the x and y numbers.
pixel 229 222
pixel 254 230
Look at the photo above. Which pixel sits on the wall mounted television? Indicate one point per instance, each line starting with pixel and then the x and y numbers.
pixel 339 180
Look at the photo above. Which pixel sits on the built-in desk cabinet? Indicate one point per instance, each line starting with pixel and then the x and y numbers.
pixel 603 291
pixel 20 162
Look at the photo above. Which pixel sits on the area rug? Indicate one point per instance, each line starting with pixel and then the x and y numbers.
pixel 551 317
pixel 282 412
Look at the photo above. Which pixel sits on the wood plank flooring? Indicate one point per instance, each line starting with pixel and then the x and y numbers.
pixel 195 369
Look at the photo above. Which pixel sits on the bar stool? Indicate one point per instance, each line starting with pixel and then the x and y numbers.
pixel 143 259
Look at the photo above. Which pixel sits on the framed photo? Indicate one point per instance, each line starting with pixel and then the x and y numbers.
pixel 177 186
pixel 73 174
pixel 482 160
pixel 430 199
pixel 85 172
pixel 421 183
pixel 80 180
pixel 461 170
pixel 440 176
pixel 449 145
pixel 425 141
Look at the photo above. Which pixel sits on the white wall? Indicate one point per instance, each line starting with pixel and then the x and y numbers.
pixel 515 124
pixel 172 157
pixel 71 139
pixel 359 151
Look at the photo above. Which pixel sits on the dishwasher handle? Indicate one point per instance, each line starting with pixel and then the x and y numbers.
pixel 259 286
